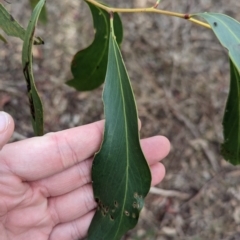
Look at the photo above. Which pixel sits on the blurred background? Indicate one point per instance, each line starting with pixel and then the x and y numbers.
pixel 180 76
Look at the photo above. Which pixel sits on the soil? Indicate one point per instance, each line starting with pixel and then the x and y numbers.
pixel 180 76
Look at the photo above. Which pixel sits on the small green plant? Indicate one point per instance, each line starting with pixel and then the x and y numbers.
pixel 120 174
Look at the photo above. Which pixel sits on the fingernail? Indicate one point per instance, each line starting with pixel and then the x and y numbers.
pixel 4 121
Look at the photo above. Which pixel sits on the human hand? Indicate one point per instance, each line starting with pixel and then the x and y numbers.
pixel 45 184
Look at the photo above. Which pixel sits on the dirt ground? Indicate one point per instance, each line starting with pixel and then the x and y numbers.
pixel 180 75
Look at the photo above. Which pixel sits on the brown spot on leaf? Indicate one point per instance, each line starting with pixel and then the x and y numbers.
pixel 126 213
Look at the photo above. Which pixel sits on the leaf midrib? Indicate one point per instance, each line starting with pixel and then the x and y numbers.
pixel 126 131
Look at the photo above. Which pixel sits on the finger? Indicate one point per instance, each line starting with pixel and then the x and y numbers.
pixel 53 152
pixel 154 148
pixel 68 207
pixel 6 128
pixel 76 229
pixel 158 173
pixel 66 181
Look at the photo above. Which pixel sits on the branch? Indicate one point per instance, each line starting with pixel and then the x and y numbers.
pixel 149 10
pixel 170 193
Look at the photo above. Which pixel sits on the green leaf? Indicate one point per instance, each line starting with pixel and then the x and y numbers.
pixel 43 15
pixel 230 149
pixel 89 65
pixel 11 27
pixel 120 173
pixel 227 31
pixel 34 99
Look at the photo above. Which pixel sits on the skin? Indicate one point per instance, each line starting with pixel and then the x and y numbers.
pixel 45 183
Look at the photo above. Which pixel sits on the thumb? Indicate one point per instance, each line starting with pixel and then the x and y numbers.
pixel 6 128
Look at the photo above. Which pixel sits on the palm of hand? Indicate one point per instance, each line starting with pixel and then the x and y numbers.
pixel 24 211
pixel 28 211
pixel 45 183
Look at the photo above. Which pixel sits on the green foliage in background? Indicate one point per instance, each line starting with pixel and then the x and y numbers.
pixel 89 65
pixel 43 15
pixel 227 30
pixel 34 99
pixel 12 28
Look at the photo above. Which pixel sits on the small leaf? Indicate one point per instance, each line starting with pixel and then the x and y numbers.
pixel 227 31
pixel 89 65
pixel 43 15
pixel 230 149
pixel 34 99
pixel 120 173
pixel 11 27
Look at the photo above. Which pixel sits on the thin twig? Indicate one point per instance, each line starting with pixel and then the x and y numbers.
pixel 169 193
pixel 149 10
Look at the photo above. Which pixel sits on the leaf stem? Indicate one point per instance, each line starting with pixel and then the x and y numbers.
pixel 156 4
pixel 199 22
pixel 149 10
